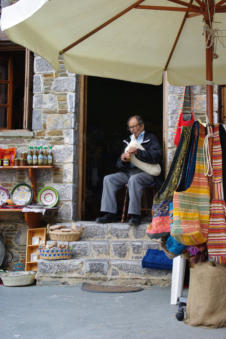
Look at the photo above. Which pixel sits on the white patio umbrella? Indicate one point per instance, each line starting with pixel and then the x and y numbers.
pixel 126 39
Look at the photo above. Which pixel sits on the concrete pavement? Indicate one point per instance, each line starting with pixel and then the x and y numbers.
pixel 67 312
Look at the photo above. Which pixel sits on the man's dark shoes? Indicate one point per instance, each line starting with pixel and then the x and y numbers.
pixel 134 220
pixel 106 218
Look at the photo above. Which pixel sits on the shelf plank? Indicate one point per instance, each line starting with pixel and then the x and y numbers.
pixel 24 167
pixel 10 209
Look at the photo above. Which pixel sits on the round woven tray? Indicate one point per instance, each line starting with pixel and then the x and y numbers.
pixel 58 235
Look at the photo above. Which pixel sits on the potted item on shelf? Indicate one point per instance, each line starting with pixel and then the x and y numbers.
pixel 64 233
pixel 7 155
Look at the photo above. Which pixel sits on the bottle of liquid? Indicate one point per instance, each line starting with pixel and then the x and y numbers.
pixel 30 156
pixel 50 156
pixel 45 156
pixel 35 156
pixel 40 156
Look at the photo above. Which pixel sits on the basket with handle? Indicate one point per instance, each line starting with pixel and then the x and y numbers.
pixel 60 234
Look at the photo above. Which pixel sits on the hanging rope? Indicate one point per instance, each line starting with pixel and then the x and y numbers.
pixel 213 35
pixel 208 170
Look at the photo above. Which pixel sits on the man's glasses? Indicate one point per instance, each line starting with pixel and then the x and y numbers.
pixel 132 127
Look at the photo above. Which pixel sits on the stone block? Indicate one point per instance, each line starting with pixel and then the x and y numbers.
pixel 63 153
pixel 42 66
pixel 37 84
pixel 128 266
pixel 94 231
pixel 100 248
pixel 119 231
pixel 67 172
pixel 179 90
pixel 45 101
pixel 69 136
pixel 174 104
pixel 55 122
pixel 21 237
pixel 140 231
pixel 36 119
pixel 57 266
pixel 71 102
pixel 97 266
pixel 151 244
pixel 8 176
pixel 65 211
pixel 80 249
pixel 119 249
pixel 137 247
pixel 65 191
pixel 44 176
pixel 63 84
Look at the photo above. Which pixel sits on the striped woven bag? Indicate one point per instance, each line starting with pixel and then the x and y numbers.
pixel 217 226
pixel 191 207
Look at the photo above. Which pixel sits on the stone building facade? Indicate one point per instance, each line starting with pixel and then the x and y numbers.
pixel 55 117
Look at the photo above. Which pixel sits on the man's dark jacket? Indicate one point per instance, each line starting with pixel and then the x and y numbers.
pixel 152 154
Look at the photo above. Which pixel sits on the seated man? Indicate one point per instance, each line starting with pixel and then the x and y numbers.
pixel 148 151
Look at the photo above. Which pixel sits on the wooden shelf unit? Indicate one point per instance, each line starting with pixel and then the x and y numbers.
pixel 30 249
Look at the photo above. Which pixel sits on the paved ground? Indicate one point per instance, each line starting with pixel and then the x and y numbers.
pixel 68 312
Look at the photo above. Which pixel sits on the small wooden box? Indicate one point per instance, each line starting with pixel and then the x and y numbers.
pixel 35 238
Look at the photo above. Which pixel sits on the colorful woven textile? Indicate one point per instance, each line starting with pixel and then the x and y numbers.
pixel 191 207
pixel 217 226
pixel 160 226
pixel 185 112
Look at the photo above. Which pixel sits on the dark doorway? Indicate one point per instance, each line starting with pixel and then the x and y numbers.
pixel 109 104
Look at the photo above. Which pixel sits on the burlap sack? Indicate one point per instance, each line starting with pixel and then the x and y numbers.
pixel 206 304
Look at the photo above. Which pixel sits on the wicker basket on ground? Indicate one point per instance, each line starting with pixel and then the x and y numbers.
pixel 63 233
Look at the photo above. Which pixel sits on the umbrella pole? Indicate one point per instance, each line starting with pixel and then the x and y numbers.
pixel 209 85
pixel 208 17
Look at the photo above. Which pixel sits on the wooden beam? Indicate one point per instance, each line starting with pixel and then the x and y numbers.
pixel 220 3
pixel 199 2
pixel 10 94
pixel 82 114
pixel 177 38
pixel 164 8
pixel 106 23
pixel 186 4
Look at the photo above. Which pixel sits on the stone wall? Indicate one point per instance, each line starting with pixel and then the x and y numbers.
pixel 53 124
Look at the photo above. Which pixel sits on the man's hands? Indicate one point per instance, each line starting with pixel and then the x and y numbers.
pixel 132 150
pixel 127 155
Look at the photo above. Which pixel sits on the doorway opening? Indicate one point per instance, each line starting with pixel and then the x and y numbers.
pixel 109 104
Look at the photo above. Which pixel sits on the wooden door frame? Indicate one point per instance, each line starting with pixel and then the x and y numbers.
pixel 82 124
pixel 165 122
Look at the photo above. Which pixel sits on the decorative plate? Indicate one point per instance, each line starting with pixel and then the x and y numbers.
pixel 4 195
pixel 48 196
pixel 22 194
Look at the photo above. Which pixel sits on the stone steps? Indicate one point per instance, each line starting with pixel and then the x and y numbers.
pixel 109 252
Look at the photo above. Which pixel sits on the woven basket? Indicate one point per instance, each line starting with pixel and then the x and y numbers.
pixel 58 235
pixel 55 253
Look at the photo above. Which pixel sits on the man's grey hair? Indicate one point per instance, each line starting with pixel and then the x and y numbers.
pixel 138 118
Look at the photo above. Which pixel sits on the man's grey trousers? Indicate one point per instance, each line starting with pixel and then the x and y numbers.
pixel 136 179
